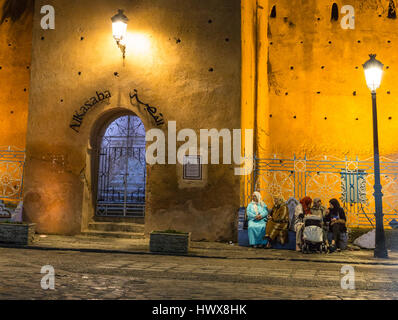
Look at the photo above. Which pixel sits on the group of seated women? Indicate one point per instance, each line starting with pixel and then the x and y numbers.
pixel 264 227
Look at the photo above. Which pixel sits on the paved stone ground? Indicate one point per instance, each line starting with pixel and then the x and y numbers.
pixel 88 275
pixel 207 249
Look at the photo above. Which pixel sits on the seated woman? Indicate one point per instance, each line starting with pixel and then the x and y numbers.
pixel 335 217
pixel 278 222
pixel 302 209
pixel 256 215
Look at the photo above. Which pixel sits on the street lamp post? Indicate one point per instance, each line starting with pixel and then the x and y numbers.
pixel 373 74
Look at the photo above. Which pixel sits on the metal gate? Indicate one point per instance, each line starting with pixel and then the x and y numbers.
pixel 122 169
pixel 350 181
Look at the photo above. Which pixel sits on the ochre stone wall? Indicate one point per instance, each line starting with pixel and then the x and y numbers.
pixel 15 57
pixel 182 57
pixel 318 102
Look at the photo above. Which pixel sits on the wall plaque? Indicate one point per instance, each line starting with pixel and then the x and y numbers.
pixel 192 168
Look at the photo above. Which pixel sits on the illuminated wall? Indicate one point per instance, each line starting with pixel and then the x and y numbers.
pixel 183 57
pixel 304 87
pixel 15 57
pixel 318 100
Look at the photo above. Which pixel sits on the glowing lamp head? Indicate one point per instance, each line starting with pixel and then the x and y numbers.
pixel 373 72
pixel 119 26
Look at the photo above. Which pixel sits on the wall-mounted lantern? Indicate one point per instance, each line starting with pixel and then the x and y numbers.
pixel 119 29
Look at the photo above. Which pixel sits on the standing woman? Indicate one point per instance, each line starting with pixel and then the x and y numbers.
pixel 257 213
pixel 337 222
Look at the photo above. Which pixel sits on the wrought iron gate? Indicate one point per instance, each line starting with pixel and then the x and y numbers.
pixel 122 169
pixel 350 181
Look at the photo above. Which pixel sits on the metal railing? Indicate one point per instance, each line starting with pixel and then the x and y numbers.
pixel 350 181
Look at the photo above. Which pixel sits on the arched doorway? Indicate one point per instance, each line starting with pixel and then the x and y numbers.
pixel 122 169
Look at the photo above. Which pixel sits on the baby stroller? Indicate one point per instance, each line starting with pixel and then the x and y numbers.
pixel 313 240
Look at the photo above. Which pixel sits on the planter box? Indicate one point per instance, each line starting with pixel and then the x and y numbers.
pixel 169 242
pixel 21 234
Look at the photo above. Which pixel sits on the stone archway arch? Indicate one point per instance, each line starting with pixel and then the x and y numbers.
pixel 91 180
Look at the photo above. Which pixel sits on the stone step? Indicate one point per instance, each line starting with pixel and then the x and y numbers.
pixel 116 226
pixel 113 234
pixel 138 220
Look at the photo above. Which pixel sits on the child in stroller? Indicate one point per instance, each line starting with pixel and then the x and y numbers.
pixel 313 235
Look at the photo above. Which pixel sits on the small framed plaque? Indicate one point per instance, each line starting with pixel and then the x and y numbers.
pixel 192 168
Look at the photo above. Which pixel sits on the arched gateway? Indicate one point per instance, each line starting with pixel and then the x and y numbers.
pixel 122 169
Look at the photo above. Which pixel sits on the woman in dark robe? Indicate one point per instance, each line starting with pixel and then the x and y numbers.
pixel 278 222
pixel 336 218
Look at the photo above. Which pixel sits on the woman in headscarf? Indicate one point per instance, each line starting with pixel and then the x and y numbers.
pixel 278 222
pixel 257 213
pixel 302 209
pixel 292 203
pixel 336 218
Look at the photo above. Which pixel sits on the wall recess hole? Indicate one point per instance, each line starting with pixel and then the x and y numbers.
pixel 24 89
pixel 270 115
pixel 356 119
pixel 291 68
pixel 356 67
pixel 354 93
pixel 227 39
pixel 388 92
pixel 286 93
pixel 273 12
pixel 42 38
pixel 79 73
pixel 359 41
pixel 294 117
pixel 326 118
pixel 27 67
pixel 330 42
pixel 62 100
pixel 387 67
pixel 323 67
pixel 211 70
pixel 335 12
pixel 389 118
pixel 389 41
pixel 81 38
pixel 285 19
pixel 318 92
pixel 271 43
pixel 318 19
pixel 12 112
pixel 210 21
pixel 392 14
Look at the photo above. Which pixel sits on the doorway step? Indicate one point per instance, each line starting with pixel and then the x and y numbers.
pixel 131 229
